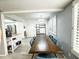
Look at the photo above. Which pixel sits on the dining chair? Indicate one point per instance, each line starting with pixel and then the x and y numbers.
pixel 53 39
pixel 45 56
pixel 32 40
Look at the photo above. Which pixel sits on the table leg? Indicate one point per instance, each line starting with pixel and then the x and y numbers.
pixel 32 56
pixel 55 55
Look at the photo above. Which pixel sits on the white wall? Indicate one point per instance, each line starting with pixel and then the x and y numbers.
pixel 19 26
pixel 3 45
pixel 64 31
pixel 31 26
pixel 20 29
pixel 18 21
pixel 52 25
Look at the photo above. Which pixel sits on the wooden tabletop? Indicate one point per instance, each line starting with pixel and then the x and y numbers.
pixel 43 44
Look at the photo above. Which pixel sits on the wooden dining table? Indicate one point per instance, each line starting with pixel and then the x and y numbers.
pixel 43 44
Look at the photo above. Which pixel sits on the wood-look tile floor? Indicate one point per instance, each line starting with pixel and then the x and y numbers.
pixel 17 56
pixel 24 47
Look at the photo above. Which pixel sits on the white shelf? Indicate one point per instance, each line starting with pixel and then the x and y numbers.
pixel 12 42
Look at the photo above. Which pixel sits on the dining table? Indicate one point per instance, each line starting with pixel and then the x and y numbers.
pixel 43 44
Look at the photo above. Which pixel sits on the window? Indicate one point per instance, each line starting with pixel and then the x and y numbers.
pixel 75 31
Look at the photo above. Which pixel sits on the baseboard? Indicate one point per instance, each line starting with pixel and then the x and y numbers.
pixel 2 55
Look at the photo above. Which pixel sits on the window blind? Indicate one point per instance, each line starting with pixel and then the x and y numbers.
pixel 76 29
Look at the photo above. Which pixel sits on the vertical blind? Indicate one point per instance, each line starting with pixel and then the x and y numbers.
pixel 76 28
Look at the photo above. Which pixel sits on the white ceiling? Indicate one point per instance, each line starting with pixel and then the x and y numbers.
pixel 17 5
pixel 11 5
pixel 30 16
